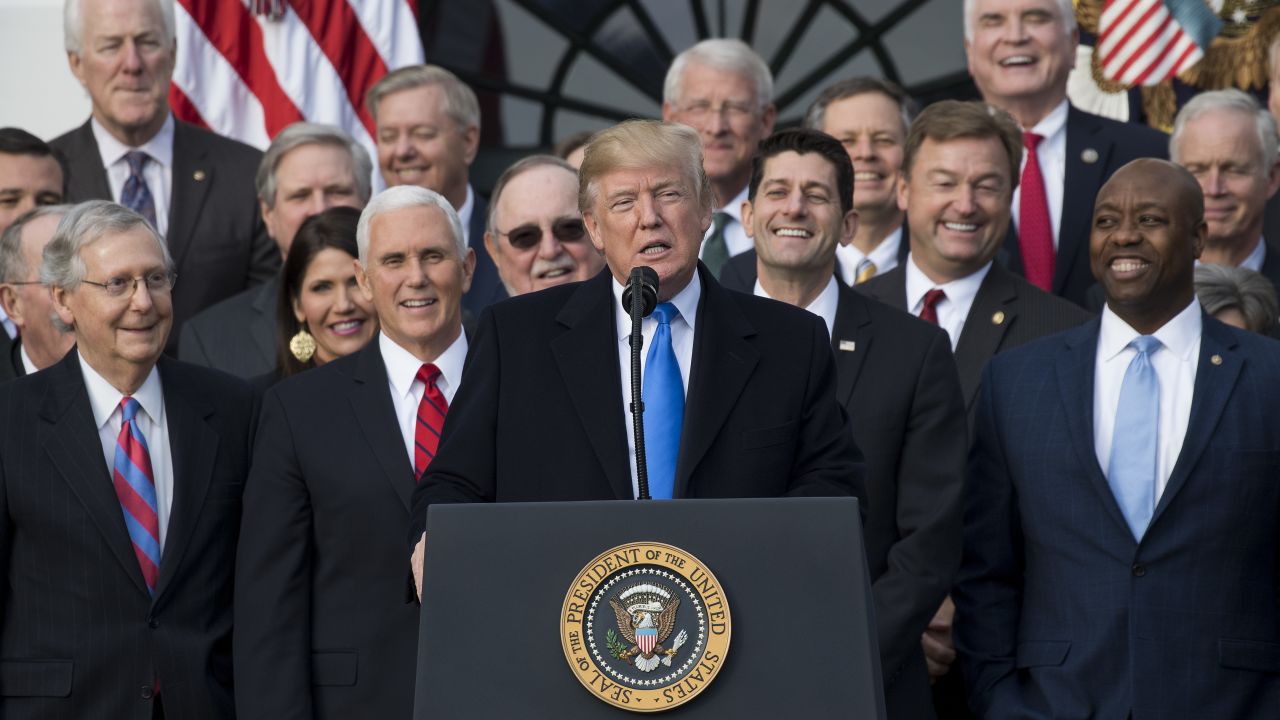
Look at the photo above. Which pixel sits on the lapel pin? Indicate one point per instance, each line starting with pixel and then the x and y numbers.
pixel 848 345
pixel 1090 156
pixel 1216 359
pixel 198 176
pixel 998 318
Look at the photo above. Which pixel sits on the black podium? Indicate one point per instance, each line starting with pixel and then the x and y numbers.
pixel 792 571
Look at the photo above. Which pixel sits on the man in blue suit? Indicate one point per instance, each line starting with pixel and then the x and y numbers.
pixel 1122 533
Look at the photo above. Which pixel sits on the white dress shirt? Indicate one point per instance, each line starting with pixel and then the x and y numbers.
pixel 686 301
pixel 407 390
pixel 884 256
pixel 953 310
pixel 1175 365
pixel 735 235
pixel 824 306
pixel 28 366
pixel 104 400
pixel 464 214
pixel 158 172
pixel 1052 154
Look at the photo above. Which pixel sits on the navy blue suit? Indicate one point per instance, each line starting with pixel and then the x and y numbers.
pixel 1062 614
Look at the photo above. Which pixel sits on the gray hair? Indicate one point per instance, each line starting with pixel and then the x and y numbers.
pixel 400 198
pixel 459 100
pixel 72 24
pixel 519 168
pixel 861 85
pixel 1222 288
pixel 13 264
pixel 728 54
pixel 304 133
pixel 1229 100
pixel 1065 7
pixel 83 224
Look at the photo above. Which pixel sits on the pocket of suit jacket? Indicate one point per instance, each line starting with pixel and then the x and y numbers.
pixel 35 678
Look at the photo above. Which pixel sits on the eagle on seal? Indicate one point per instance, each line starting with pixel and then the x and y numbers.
pixel 646 616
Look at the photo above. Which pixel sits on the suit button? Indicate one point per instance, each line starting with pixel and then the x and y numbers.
pixel 1139 569
pixel 153 623
pixel 146 692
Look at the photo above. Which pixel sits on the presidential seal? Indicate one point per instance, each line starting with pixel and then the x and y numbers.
pixel 645 627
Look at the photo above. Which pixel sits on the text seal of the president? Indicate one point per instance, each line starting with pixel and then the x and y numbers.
pixel 645 627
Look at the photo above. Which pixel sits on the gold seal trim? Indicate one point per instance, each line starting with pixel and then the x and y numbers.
pixel 647 570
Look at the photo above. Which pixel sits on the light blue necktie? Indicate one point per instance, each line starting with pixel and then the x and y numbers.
pixel 663 395
pixel 1135 439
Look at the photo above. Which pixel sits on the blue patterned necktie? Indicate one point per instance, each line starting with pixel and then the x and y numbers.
pixel 1135 439
pixel 663 396
pixel 136 195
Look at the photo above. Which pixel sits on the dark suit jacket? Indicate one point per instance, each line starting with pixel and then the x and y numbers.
pixel 81 636
pixel 238 335
pixel 1062 613
pixel 740 272
pixel 760 413
pixel 215 233
pixel 1007 312
pixel 1113 144
pixel 1271 234
pixel 322 626
pixel 486 286
pixel 899 384
pixel 10 357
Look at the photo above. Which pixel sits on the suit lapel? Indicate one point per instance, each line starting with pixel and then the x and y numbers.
pixel 982 335
pixel 194 444
pixel 88 177
pixel 1082 178
pixel 723 360
pixel 889 288
pixel 262 328
pixel 1213 386
pixel 585 354
pixel 72 444
pixel 370 398
pixel 192 180
pixel 851 339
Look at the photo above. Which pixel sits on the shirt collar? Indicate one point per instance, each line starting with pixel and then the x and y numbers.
pixel 159 147
pixel 883 255
pixel 1053 123
pixel 734 206
pixel 959 292
pixel 686 301
pixel 1180 336
pixel 402 366
pixel 824 305
pixel 1257 257
pixel 104 398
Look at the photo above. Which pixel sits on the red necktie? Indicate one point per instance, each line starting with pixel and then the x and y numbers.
pixel 1035 230
pixel 136 487
pixel 929 311
pixel 431 412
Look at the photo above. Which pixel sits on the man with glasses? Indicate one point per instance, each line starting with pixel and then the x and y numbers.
pixel 535 233
pixel 724 90
pixel 120 480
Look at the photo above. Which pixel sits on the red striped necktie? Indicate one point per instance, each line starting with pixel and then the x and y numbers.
pixel 135 485
pixel 1035 229
pixel 431 412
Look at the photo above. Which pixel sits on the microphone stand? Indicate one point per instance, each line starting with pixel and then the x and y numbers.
pixel 637 400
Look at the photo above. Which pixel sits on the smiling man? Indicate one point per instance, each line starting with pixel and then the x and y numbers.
pixel 1121 519
pixel 759 373
pixel 1020 53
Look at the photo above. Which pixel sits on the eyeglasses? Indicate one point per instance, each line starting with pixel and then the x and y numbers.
pixel 158 281
pixel 528 236
pixel 735 111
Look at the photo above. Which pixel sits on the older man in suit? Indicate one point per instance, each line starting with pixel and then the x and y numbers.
pixel 896 379
pixel 739 391
pixel 1121 533
pixel 122 473
pixel 41 340
pixel 322 624
pixel 307 169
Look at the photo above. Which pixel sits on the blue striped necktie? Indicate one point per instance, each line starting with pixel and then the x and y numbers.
pixel 136 195
pixel 135 485
pixel 663 396
pixel 1135 440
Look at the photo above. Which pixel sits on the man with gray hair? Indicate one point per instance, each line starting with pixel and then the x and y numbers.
pixel 428 132
pixel 306 170
pixel 120 480
pixel 322 626
pixel 1227 141
pixel 724 90
pixel 193 186
pixel 42 339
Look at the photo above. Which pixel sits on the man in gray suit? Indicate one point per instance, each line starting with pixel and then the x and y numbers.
pixel 306 170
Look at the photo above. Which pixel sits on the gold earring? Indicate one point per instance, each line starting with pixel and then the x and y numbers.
pixel 302 345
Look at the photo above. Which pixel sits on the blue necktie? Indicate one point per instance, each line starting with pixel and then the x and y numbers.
pixel 1135 439
pixel 135 195
pixel 663 396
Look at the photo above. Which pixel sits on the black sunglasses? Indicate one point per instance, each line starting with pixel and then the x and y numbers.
pixel 528 236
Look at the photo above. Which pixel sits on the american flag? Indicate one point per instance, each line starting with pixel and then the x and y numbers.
pixel 248 68
pixel 1144 42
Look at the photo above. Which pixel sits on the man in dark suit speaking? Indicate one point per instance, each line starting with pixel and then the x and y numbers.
pixel 739 391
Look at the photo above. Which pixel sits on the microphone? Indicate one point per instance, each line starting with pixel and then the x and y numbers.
pixel 639 299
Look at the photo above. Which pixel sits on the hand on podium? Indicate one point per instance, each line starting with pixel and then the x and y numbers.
pixel 939 646
pixel 416 560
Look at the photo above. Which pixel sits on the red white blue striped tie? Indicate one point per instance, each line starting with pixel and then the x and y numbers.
pixel 135 485
pixel 431 411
